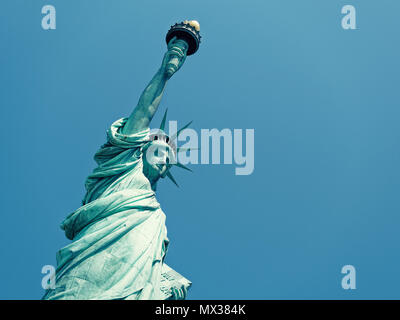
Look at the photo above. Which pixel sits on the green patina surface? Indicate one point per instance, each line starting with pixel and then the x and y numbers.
pixel 119 237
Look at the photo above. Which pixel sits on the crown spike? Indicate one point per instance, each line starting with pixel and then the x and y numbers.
pixel 162 126
pixel 180 130
pixel 180 165
pixel 169 175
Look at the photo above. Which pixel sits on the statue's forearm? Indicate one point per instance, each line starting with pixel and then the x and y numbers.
pixel 151 96
pixel 147 105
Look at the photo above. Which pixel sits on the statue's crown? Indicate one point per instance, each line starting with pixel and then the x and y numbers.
pixel 188 31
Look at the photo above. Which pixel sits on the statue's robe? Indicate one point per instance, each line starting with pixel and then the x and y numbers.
pixel 119 234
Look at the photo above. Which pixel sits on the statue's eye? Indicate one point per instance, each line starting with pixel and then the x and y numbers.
pixel 167 140
pixel 155 138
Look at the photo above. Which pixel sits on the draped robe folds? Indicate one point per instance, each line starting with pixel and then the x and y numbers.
pixel 119 234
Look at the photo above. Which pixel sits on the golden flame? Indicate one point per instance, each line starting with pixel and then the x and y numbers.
pixel 195 24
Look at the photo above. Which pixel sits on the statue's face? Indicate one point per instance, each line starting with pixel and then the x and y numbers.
pixel 176 55
pixel 156 162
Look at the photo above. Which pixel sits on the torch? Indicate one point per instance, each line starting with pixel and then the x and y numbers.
pixel 188 31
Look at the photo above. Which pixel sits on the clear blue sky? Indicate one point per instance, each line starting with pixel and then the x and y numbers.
pixel 324 103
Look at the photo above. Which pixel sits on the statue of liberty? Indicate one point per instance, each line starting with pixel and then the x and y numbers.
pixel 119 237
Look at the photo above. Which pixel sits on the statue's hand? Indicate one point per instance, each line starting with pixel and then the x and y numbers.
pixel 174 57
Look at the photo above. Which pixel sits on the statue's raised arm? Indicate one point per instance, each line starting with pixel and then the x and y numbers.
pixel 151 96
pixel 183 39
